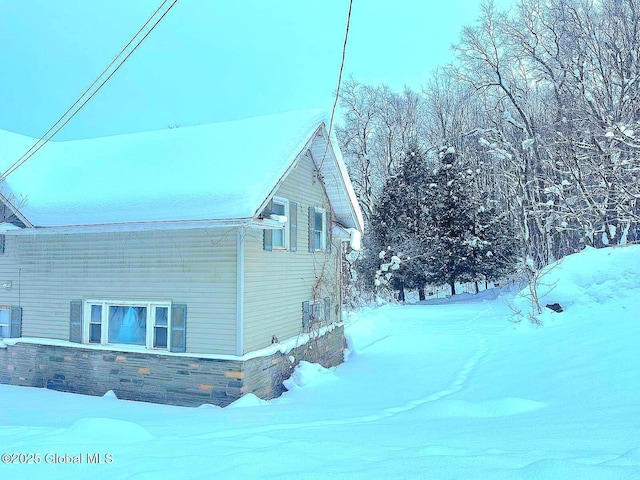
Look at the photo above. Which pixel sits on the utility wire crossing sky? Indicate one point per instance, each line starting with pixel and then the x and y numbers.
pixel 209 61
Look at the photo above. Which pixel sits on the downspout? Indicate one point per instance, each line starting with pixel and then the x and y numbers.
pixel 240 291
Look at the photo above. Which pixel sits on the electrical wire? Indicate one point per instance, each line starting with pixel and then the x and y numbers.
pixel 61 122
pixel 337 96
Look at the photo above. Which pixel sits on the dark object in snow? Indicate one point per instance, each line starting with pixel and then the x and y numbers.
pixel 555 307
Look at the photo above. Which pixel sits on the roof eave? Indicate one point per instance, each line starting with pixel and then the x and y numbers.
pixel 147 226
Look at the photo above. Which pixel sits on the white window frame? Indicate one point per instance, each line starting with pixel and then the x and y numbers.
pixel 285 228
pixel 8 322
pixel 104 328
pixel 323 231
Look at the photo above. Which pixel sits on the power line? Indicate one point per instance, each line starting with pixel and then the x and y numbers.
pixel 337 96
pixel 72 111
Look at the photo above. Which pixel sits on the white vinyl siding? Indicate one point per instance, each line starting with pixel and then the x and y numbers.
pixel 277 285
pixel 192 267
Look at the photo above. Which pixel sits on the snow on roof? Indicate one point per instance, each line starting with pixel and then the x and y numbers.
pixel 217 171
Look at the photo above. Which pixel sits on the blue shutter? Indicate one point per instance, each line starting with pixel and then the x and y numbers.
pixel 306 317
pixel 15 322
pixel 328 223
pixel 2 239
pixel 327 310
pixel 75 321
pixel 178 328
pixel 293 226
pixel 311 225
pixel 267 238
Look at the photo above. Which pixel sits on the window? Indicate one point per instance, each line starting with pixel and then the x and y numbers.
pixel 316 311
pixel 280 237
pixel 128 323
pixel 317 229
pixel 285 237
pixel 5 315
pixel 10 321
pixel 95 324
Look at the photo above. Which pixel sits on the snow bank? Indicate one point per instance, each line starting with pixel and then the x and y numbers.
pixel 588 278
pixel 364 333
pixel 306 374
pixel 248 400
pixel 106 430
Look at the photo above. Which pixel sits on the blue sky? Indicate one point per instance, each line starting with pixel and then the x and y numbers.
pixel 209 60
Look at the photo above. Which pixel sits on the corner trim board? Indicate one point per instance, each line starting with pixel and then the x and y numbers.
pixel 240 291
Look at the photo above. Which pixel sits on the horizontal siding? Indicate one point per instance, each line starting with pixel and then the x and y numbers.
pixel 194 267
pixel 277 282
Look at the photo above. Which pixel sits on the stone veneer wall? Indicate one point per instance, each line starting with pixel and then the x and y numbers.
pixel 151 377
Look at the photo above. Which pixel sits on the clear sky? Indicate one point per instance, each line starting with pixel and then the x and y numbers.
pixel 209 60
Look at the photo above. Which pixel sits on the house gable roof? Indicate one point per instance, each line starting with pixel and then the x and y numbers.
pixel 215 172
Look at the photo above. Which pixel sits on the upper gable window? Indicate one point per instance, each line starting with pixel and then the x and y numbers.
pixel 286 236
pixel 319 230
pixel 280 237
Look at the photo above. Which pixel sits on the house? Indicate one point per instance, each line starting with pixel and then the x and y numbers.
pixel 184 266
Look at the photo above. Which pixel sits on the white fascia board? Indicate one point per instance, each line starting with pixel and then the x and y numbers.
pixel 336 177
pixel 302 151
pixel 144 226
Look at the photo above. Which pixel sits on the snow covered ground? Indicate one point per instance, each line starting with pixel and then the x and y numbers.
pixel 450 390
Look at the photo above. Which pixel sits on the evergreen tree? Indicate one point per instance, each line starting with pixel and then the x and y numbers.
pixel 467 240
pixel 395 224
pixel 431 218
pixel 449 208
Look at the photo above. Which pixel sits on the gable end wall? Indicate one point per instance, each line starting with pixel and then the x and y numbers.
pixel 277 282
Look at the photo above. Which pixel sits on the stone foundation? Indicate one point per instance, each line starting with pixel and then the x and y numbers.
pixel 158 378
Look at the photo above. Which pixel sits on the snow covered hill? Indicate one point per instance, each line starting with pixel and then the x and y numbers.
pixel 446 391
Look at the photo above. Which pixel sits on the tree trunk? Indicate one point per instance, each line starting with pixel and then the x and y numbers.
pixel 401 293
pixel 452 284
pixel 421 294
pixel 477 287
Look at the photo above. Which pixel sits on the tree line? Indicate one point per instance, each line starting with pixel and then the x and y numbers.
pixel 542 106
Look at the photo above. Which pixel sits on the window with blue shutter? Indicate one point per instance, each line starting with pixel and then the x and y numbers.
pixel 178 328
pixel 75 321
pixel 156 325
pixel 319 230
pixel 284 238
